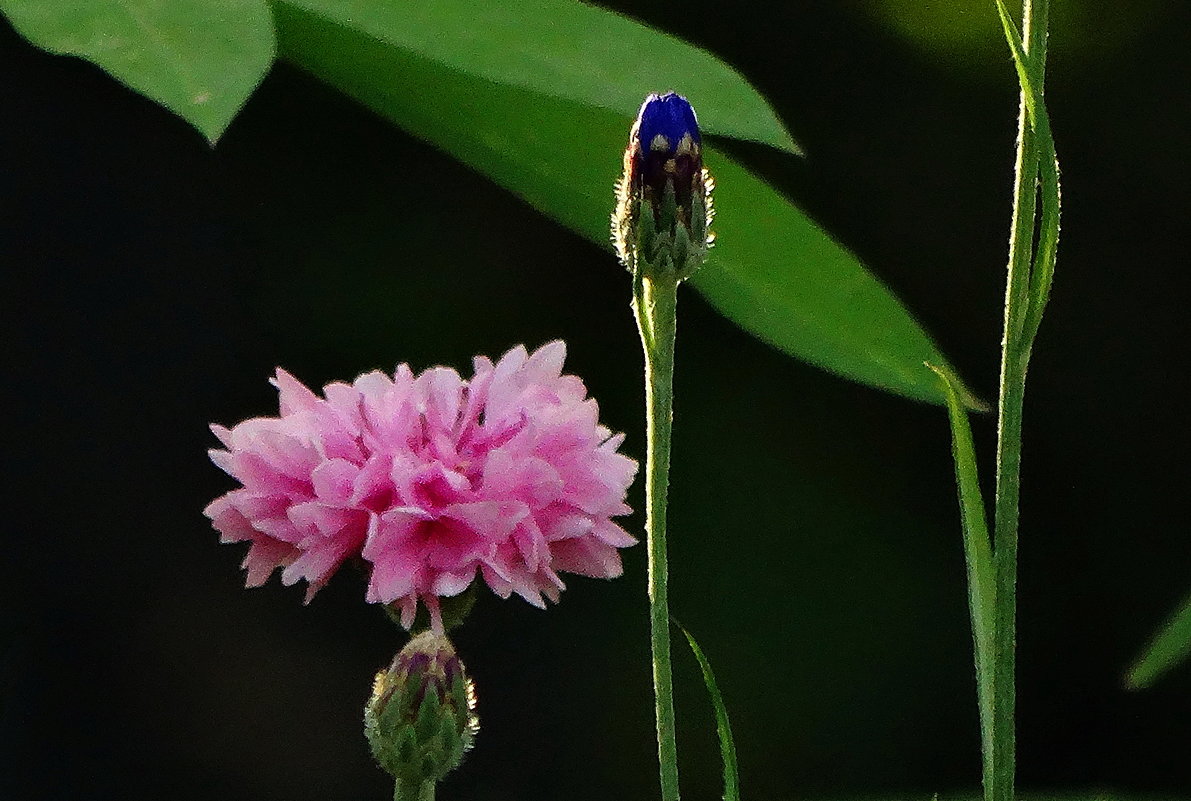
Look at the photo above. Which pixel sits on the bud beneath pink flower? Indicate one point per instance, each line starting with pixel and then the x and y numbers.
pixel 421 719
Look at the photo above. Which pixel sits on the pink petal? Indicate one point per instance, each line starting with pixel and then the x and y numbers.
pixel 611 534
pixel 449 584
pixel 440 394
pixel 526 478
pixel 294 395
pixel 372 485
pixel 222 433
pixel 545 365
pixel 587 557
pixel 334 481
pixel 265 556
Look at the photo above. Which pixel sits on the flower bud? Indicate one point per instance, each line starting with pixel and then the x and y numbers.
pixel 421 717
pixel 663 209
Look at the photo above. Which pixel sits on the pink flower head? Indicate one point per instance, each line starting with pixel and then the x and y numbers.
pixel 431 479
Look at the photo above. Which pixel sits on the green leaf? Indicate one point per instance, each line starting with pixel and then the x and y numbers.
pixel 978 557
pixel 781 277
pixel 565 49
pixel 1043 270
pixel 723 727
pixel 199 58
pixel 773 271
pixel 1169 646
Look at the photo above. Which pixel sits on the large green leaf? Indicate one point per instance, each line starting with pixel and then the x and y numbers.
pixel 565 49
pixel 773 271
pixel 199 58
pixel 1170 646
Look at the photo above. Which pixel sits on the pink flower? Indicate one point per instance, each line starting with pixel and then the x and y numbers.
pixel 432 480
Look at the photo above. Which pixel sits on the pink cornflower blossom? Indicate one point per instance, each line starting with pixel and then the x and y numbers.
pixel 431 480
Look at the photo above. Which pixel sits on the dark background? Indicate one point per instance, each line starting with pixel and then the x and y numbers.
pixel 150 284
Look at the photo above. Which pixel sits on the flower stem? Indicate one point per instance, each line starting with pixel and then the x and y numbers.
pixel 406 792
pixel 655 305
pixel 1015 355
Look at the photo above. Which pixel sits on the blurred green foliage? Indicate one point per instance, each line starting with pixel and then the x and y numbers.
pixel 966 33
pixel 539 97
pixel 1170 646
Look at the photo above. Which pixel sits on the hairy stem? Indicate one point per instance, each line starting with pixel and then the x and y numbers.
pixel 655 305
pixel 403 791
pixel 1015 354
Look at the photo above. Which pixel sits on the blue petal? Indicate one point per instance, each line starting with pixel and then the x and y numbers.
pixel 668 115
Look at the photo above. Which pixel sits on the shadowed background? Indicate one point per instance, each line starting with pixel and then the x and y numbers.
pixel 150 284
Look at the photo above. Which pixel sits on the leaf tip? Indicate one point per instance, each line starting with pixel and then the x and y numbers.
pixel 1142 674
pixel 953 383
pixel 790 146
pixel 974 402
pixel 211 123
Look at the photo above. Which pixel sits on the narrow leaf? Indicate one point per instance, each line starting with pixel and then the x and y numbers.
pixel 1169 646
pixel 565 49
pixel 723 728
pixel 200 59
pixel 773 271
pixel 977 555
pixel 1043 270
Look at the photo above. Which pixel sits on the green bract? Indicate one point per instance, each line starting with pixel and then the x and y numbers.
pixel 421 719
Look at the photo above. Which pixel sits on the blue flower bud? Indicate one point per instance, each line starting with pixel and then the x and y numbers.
pixel 663 210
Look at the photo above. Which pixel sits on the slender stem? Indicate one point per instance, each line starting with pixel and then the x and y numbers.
pixel 1031 73
pixel 405 792
pixel 1003 767
pixel 655 305
pixel 1015 355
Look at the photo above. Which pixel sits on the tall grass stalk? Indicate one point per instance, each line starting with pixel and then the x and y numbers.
pixel 1027 291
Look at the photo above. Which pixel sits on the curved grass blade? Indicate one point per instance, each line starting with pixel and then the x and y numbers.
pixel 1043 270
pixel 201 59
pixel 774 272
pixel 1029 273
pixel 977 556
pixel 723 728
pixel 1169 646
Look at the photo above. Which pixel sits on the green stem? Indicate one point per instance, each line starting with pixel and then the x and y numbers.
pixel 1031 73
pixel 1003 766
pixel 655 305
pixel 1015 355
pixel 406 792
